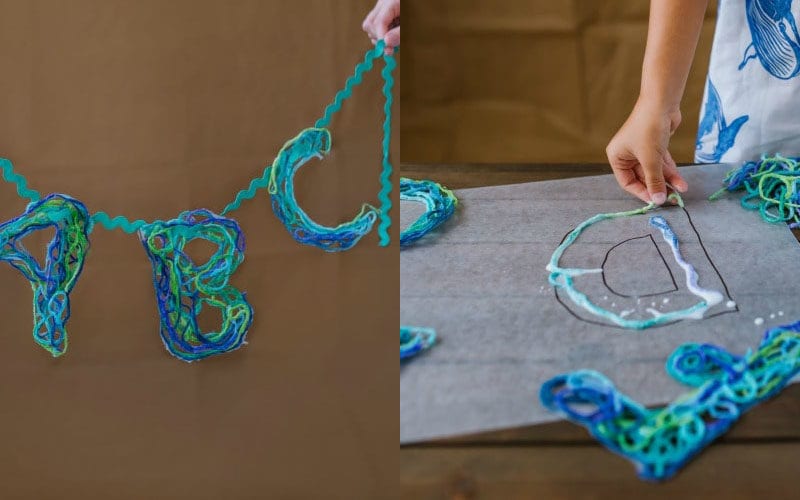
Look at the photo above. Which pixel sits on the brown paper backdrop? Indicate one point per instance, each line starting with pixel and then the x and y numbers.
pixel 529 80
pixel 148 108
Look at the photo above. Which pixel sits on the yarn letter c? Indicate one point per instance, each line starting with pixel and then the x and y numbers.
pixel 311 143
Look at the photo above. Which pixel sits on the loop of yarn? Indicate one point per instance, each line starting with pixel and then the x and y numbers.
pixel 53 281
pixel 660 441
pixel 440 204
pixel 771 185
pixel 414 340
pixel 184 287
pixel 311 143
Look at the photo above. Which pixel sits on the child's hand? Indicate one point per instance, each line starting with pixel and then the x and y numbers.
pixel 383 23
pixel 639 154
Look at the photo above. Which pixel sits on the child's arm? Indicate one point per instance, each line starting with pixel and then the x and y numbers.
pixel 383 23
pixel 638 153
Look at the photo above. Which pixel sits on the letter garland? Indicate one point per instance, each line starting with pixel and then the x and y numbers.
pixel 182 287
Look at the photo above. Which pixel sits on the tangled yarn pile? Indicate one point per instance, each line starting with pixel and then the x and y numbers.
pixel 772 188
pixel 414 340
pixel 440 203
pixel 661 441
pixel 184 287
pixel 53 281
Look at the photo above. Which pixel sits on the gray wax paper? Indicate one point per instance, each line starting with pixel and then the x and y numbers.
pixel 503 330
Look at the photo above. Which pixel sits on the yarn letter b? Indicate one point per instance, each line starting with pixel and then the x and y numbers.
pixel 53 281
pixel 183 287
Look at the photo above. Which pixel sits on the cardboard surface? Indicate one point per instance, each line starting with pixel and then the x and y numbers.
pixel 527 81
pixel 502 330
pixel 149 108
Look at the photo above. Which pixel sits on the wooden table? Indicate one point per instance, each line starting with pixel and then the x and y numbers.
pixel 758 458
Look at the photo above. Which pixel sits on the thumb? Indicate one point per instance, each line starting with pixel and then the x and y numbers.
pixel 654 178
pixel 392 38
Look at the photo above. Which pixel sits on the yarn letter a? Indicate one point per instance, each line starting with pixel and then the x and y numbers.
pixel 311 143
pixel 183 287
pixel 53 281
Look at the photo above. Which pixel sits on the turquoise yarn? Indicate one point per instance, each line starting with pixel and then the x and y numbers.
pixel 440 204
pixel 313 142
pixel 18 180
pixel 267 178
pixel 414 340
pixel 386 175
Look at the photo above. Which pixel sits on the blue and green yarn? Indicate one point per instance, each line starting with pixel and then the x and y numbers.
pixel 311 143
pixel 771 186
pixel 184 287
pixel 660 441
pixel 414 340
pixel 53 281
pixel 440 204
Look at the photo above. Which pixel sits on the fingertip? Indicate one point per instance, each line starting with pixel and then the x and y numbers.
pixel 658 198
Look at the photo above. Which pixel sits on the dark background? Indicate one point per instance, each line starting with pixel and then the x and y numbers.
pixel 530 81
pixel 149 108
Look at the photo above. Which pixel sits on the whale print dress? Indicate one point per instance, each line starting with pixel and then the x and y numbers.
pixel 751 104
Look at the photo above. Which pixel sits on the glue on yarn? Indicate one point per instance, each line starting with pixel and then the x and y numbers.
pixel 53 281
pixel 660 441
pixel 414 340
pixel 184 287
pixel 440 204
pixel 772 187
pixel 564 278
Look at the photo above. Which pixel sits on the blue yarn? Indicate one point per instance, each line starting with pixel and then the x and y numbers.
pixel 440 204
pixel 660 441
pixel 414 340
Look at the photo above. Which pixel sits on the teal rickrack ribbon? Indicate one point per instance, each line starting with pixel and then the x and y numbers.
pixel 262 182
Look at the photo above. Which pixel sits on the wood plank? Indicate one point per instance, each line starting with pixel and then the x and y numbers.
pixel 729 471
pixel 776 419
